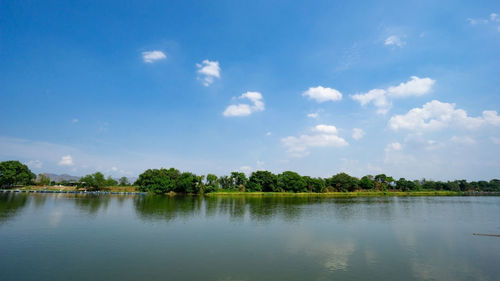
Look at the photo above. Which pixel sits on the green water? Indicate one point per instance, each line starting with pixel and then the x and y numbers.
pixel 118 237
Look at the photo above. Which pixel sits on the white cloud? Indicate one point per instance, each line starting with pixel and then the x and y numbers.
pixel 66 160
pixel 477 21
pixel 380 97
pixel 494 19
pixel 152 56
pixel 34 164
pixel 415 87
pixel 436 115
pixel 463 140
pixel 377 96
pixel 357 133
pixel 394 40
pixel 321 94
pixel 238 110
pixel 208 70
pixel 325 136
pixel 75 120
pixel 313 115
pixel 394 155
pixel 325 129
pixel 268 133
pixel 394 146
pixel 244 109
pixel 114 169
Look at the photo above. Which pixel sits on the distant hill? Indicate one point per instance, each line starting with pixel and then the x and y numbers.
pixel 58 178
pixel 66 177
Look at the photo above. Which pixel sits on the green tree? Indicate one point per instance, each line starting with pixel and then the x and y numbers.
pixel 343 182
pixel 43 179
pixel 200 183
pixel 157 180
pixel 494 185
pixel 315 184
pixel 263 181
pixel 225 182
pixel 111 182
pixel 99 180
pixel 212 183
pixel 381 181
pixel 94 181
pixel 291 181
pixel 239 180
pixel 15 173
pixel 366 182
pixel 187 183
pixel 405 185
pixel 123 181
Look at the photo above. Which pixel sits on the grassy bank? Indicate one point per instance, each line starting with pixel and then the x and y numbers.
pixel 343 194
pixel 277 194
pixel 72 188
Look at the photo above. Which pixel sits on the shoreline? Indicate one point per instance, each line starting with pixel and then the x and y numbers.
pixel 132 191
pixel 357 194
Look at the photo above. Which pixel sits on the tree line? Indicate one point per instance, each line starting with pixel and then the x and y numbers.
pixel 172 180
pixel 163 180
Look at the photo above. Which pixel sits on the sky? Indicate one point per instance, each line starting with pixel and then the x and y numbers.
pixel 405 88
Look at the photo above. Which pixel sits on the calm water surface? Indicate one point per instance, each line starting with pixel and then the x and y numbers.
pixel 118 237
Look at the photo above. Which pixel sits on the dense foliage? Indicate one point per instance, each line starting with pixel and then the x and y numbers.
pixel 15 173
pixel 171 180
pixel 96 181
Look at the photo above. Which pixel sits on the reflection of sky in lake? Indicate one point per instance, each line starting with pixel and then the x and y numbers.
pixel 334 255
pixel 247 238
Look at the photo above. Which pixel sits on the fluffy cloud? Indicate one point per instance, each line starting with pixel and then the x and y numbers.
pixel 380 97
pixel 494 17
pixel 325 129
pixel 394 146
pixel 394 40
pixel 244 109
pixel 436 115
pixel 375 96
pixel 323 136
pixel 66 160
pixel 313 115
pixel 357 133
pixel 321 94
pixel 208 71
pixel 415 87
pixel 493 20
pixel 152 56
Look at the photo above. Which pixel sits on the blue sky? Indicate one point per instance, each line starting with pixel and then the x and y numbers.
pixel 319 87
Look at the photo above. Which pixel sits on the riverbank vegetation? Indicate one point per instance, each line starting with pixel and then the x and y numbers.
pixel 161 181
pixel 172 180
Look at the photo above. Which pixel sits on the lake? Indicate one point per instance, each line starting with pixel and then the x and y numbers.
pixel 146 237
